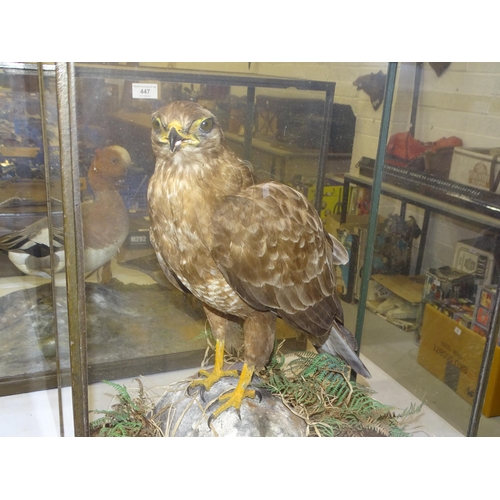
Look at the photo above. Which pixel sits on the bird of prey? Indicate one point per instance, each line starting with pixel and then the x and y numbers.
pixel 250 252
pixel 105 223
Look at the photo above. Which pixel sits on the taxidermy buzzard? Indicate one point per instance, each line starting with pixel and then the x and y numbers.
pixel 249 252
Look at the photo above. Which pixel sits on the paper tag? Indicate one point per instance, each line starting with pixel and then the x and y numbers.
pixel 145 91
pixel 458 331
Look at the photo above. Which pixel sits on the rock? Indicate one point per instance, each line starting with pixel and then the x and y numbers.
pixel 124 322
pixel 187 416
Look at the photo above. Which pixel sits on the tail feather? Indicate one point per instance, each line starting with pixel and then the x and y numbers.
pixel 342 343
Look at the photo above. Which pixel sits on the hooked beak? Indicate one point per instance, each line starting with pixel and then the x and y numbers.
pixel 174 139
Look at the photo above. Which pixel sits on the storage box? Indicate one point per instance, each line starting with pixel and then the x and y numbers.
pixel 480 330
pixel 332 198
pixel 442 284
pixel 454 354
pixel 446 282
pixel 476 167
pixel 438 163
pixel 460 310
pixel 477 256
pixel 483 310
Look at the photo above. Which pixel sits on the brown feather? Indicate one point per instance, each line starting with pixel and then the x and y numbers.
pixel 249 251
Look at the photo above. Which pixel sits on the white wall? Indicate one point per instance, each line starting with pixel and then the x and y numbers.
pixel 464 101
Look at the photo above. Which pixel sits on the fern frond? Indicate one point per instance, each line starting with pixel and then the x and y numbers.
pixel 317 388
pixel 129 417
pixel 123 394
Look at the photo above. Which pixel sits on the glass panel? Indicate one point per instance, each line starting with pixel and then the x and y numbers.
pixel 138 323
pixel 33 352
pixel 436 246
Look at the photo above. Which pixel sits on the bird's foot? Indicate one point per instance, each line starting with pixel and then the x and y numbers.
pixel 234 398
pixel 205 384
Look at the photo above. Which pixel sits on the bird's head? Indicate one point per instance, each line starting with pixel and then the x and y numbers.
pixel 184 126
pixel 108 167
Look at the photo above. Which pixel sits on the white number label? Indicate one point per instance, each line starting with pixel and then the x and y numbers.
pixel 145 91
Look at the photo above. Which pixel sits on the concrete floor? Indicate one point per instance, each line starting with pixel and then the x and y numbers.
pixel 395 352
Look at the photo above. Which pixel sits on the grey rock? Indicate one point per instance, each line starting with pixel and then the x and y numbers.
pixel 185 415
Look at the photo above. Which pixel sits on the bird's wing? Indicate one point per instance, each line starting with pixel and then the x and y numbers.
pixel 270 245
pixel 33 235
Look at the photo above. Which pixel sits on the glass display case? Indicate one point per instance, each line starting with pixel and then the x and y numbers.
pixel 400 161
pixel 431 245
pixel 126 319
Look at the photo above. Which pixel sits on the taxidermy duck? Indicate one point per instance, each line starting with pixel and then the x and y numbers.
pixel 105 223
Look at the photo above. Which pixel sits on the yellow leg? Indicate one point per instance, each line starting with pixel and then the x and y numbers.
pixel 234 398
pixel 217 373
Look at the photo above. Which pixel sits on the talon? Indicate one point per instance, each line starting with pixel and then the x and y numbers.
pixel 191 390
pixel 258 394
pixel 202 393
pixel 209 421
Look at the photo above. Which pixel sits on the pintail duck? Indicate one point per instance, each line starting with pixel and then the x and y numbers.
pixel 105 223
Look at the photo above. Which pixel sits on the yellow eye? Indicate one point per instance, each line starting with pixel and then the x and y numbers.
pixel 206 125
pixel 157 125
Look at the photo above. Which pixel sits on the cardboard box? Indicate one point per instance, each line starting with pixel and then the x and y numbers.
pixel 483 309
pixel 442 284
pixel 446 282
pixel 460 310
pixel 476 167
pixel 332 198
pixel 333 192
pixel 477 256
pixel 454 354
pixel 479 330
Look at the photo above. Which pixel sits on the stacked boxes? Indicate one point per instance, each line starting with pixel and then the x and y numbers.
pixel 459 310
pixel 483 310
pixel 477 256
pixel 448 283
pixel 453 354
pixel 456 318
pixel 451 292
